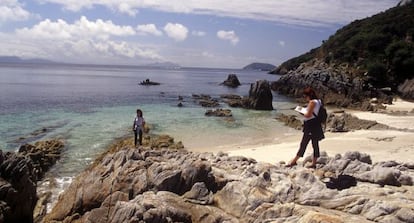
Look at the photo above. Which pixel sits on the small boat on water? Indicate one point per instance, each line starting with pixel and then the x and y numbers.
pixel 148 82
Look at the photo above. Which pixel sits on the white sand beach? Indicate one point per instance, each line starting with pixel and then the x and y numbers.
pixel 382 145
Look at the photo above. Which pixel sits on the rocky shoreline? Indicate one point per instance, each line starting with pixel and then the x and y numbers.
pixel 162 182
pixel 170 185
pixel 19 174
pixel 337 85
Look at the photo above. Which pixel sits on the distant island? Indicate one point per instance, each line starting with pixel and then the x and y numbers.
pixel 15 59
pixel 18 60
pixel 259 66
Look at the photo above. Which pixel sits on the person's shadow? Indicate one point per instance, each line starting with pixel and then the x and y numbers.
pixel 341 182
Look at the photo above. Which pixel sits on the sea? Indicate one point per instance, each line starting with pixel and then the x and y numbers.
pixel 90 106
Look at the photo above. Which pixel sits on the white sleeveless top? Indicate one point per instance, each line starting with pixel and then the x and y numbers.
pixel 138 121
pixel 315 109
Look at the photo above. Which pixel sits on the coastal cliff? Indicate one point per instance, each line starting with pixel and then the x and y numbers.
pixel 372 57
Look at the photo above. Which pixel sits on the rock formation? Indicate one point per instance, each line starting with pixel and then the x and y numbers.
pixel 43 154
pixel 19 173
pixel 335 84
pixel 407 89
pixel 219 112
pixel 17 188
pixel 260 96
pixel 232 81
pixel 205 100
pixel 179 186
pixel 336 122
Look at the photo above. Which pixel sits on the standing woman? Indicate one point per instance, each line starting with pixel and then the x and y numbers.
pixel 138 126
pixel 312 128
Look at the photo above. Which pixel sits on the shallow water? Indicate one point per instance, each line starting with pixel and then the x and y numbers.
pixel 90 106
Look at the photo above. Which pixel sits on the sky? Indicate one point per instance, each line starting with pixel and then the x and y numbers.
pixel 191 33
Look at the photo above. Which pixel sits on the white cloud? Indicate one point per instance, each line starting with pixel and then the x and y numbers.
pixel 126 8
pixel 297 12
pixel 176 31
pixel 198 33
pixel 282 43
pixel 150 29
pixel 12 10
pixel 228 35
pixel 82 41
pixel 82 28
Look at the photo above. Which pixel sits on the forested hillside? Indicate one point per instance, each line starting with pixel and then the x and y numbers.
pixel 380 47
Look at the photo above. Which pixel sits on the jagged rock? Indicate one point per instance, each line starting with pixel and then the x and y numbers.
pixel 236 101
pixel 362 157
pixel 219 113
pixel 335 84
pixel 260 96
pixel 162 141
pixel 336 122
pixel 206 100
pixel 232 81
pixel 209 103
pixel 407 89
pixel 199 194
pixel 381 176
pixel 165 185
pixel 43 154
pixel 17 188
pixel 231 96
pixel 291 121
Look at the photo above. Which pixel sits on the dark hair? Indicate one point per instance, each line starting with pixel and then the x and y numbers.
pixel 310 92
pixel 139 110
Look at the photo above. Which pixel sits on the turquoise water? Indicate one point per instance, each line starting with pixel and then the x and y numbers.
pixel 90 106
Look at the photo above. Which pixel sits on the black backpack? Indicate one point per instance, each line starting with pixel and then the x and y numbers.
pixel 322 114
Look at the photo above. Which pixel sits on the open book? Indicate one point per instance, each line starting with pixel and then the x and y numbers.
pixel 301 110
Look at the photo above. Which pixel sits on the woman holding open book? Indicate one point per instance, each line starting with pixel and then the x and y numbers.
pixel 312 128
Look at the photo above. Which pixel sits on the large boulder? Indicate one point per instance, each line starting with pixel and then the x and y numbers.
pixel 43 154
pixel 260 96
pixel 232 81
pixel 17 188
pixel 407 89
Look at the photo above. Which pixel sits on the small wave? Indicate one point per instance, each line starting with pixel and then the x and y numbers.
pixel 54 186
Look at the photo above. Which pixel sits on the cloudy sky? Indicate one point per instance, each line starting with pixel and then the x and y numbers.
pixel 196 33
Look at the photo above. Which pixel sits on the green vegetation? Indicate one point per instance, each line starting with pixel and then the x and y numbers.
pixel 381 45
